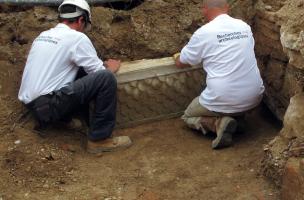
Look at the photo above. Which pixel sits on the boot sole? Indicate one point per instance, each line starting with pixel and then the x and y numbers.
pixel 224 138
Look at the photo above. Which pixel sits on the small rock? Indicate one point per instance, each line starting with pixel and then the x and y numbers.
pixel 28 169
pixel 70 172
pixel 17 142
pixel 10 149
pixel 268 8
pixel 50 157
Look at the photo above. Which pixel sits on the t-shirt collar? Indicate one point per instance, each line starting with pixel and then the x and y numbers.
pixel 221 16
pixel 62 25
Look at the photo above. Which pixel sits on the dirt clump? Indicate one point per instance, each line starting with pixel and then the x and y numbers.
pixel 152 30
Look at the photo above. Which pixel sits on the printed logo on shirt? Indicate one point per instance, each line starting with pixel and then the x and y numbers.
pixel 48 39
pixel 232 36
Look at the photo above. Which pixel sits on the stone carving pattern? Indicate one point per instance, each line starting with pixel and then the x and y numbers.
pixel 157 97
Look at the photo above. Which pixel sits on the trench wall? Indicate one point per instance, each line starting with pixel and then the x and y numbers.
pixel 279 46
pixel 279 59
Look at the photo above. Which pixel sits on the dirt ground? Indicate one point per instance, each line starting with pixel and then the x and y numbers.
pixel 167 161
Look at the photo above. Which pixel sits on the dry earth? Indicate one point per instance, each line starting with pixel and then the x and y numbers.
pixel 167 161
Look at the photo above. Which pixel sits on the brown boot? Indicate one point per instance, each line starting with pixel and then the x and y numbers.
pixel 225 127
pixel 110 144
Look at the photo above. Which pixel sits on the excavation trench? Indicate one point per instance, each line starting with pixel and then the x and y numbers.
pixel 167 161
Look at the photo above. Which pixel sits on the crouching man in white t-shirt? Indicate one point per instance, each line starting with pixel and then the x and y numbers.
pixel 225 48
pixel 49 89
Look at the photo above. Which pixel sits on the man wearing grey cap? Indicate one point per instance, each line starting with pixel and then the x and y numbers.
pixel 49 89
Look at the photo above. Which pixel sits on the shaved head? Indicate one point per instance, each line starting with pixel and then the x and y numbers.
pixel 213 8
pixel 215 3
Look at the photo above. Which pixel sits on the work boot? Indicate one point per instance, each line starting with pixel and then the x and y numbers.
pixel 225 127
pixel 109 144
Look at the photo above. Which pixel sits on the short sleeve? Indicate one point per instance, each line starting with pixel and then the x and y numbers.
pixel 85 56
pixel 192 52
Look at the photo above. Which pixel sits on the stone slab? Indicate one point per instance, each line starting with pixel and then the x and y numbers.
pixel 155 89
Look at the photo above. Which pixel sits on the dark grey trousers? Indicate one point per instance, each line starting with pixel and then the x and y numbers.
pixel 100 87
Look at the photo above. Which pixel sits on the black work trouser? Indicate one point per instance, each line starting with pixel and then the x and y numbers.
pixel 100 86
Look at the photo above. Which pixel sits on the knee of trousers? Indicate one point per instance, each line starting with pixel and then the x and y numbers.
pixel 108 78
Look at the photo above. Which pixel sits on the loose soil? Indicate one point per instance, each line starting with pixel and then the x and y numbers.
pixel 167 161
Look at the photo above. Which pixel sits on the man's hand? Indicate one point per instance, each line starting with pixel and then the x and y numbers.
pixel 178 63
pixel 175 56
pixel 112 65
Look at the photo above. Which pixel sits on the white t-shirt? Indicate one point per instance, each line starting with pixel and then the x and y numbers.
pixel 225 47
pixel 54 60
